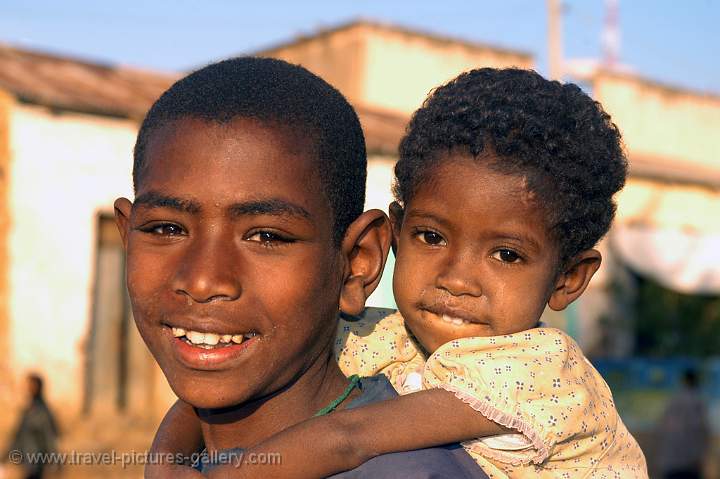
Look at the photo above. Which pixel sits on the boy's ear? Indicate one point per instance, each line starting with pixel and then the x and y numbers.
pixel 365 249
pixel 396 218
pixel 123 207
pixel 571 283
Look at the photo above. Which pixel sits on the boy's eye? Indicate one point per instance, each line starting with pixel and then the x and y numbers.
pixel 163 229
pixel 506 255
pixel 430 237
pixel 267 238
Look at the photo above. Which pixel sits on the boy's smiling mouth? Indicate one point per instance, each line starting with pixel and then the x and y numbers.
pixel 209 348
pixel 207 340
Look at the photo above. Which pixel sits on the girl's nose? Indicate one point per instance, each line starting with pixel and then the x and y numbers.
pixel 460 276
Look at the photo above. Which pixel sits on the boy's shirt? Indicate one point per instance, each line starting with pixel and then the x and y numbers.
pixel 449 461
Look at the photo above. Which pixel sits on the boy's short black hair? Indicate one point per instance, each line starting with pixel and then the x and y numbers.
pixel 553 134
pixel 278 93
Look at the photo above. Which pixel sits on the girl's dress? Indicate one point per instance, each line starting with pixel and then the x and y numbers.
pixel 537 382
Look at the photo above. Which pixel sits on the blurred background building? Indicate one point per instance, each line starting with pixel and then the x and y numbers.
pixel 67 129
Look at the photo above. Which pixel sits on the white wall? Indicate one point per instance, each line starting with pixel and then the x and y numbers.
pixel 379 195
pixel 65 169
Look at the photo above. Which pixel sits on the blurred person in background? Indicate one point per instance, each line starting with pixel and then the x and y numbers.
pixel 36 432
pixel 684 431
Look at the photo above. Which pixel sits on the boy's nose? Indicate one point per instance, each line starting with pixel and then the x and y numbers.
pixel 208 273
pixel 459 276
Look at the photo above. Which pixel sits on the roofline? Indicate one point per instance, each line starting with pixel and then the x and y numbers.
pixel 58 107
pixel 668 171
pixel 668 87
pixel 100 67
pixel 53 56
pixel 436 37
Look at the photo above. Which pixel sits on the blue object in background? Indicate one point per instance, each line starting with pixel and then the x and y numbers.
pixel 641 387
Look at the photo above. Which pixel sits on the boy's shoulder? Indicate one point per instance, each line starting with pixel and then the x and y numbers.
pixel 371 315
pixel 373 341
pixel 379 324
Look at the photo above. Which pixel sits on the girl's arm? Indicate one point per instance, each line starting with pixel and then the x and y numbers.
pixel 345 439
pixel 179 435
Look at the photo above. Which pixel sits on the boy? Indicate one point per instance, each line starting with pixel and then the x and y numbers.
pixel 245 238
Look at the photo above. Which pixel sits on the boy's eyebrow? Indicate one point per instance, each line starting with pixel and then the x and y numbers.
pixel 153 199
pixel 272 207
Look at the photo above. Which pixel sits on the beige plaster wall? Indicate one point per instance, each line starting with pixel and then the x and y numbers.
pixel 669 206
pixel 389 68
pixel 338 59
pixel 6 105
pixel 402 69
pixel 66 168
pixel 656 120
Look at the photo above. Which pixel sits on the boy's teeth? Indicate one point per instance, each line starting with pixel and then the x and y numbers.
pixel 211 339
pixel 195 337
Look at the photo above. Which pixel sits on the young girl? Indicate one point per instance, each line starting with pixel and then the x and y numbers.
pixel 504 185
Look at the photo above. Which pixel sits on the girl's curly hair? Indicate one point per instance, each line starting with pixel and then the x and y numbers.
pixel 553 134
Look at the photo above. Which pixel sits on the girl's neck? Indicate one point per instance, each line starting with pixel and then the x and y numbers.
pixel 253 422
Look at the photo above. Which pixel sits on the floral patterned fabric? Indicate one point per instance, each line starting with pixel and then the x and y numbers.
pixel 537 382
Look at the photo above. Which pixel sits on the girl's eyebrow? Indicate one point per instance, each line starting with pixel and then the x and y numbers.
pixel 419 214
pixel 515 236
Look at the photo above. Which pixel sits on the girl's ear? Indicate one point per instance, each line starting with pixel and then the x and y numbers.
pixel 572 283
pixel 365 249
pixel 123 208
pixel 396 218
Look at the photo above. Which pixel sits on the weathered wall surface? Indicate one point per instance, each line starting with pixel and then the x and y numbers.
pixel 656 120
pixel 390 68
pixel 402 69
pixel 66 169
pixel 336 58
pixel 6 379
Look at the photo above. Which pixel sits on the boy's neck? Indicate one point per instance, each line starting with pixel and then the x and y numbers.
pixel 251 423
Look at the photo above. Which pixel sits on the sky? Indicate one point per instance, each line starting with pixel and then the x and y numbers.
pixel 671 42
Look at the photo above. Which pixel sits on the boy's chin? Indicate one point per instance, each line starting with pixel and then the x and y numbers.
pixel 205 392
pixel 200 399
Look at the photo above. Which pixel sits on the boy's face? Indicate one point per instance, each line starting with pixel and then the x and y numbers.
pixel 229 236
pixel 475 257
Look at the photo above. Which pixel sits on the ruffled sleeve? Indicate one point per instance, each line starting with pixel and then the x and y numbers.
pixel 536 382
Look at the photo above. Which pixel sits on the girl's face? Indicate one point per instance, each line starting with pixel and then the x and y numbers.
pixel 474 254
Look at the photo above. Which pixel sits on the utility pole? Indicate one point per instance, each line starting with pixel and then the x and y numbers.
pixel 555 55
pixel 611 35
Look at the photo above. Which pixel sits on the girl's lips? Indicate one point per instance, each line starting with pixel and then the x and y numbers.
pixel 198 358
pixel 456 317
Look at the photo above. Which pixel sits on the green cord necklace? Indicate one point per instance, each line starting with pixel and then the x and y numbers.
pixel 354 380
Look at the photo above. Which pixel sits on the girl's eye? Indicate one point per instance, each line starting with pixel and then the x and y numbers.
pixel 430 237
pixel 506 255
